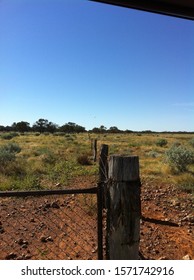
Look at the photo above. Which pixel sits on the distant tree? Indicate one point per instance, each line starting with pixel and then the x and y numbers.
pixel 79 129
pixel 43 125
pixel 102 129
pixel 40 125
pixel 67 128
pixel 128 131
pixel 147 131
pixel 21 126
pixel 95 130
pixel 114 129
pixel 8 128
pixel 2 128
pixel 71 127
pixel 51 127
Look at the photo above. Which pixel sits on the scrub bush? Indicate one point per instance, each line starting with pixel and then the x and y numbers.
pixel 161 142
pixel 179 157
pixel 8 152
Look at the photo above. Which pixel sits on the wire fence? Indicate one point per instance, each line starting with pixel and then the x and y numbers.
pixel 57 226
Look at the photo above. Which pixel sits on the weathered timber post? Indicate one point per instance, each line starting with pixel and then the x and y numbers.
pixel 103 176
pixel 94 148
pixel 103 172
pixel 103 163
pixel 124 208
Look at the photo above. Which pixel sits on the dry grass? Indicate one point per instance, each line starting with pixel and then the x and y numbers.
pixel 47 160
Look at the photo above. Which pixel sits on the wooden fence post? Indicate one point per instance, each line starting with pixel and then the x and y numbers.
pixel 94 148
pixel 124 208
pixel 103 172
pixel 103 163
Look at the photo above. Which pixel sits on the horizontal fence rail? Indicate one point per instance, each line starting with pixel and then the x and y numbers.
pixel 46 192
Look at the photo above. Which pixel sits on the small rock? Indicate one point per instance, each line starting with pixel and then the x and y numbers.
pixel 43 239
pixel 187 257
pixel 25 257
pixel 190 218
pixel 28 256
pixel 95 250
pixel 2 229
pixel 20 241
pixel 175 203
pixel 47 205
pixel 49 239
pixel 55 205
pixel 180 223
pixel 163 258
pixel 11 256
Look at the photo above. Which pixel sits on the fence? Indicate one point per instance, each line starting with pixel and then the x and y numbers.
pixel 69 224
pixel 60 224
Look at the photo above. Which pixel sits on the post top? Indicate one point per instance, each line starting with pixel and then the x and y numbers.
pixel 124 168
pixel 123 156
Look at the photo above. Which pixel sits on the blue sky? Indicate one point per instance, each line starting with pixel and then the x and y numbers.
pixel 95 64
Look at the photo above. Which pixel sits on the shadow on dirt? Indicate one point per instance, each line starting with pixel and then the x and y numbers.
pixel 155 221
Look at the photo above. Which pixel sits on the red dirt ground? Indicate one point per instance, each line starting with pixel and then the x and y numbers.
pixel 167 223
pixel 25 226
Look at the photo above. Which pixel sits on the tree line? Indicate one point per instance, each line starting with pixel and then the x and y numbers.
pixel 43 125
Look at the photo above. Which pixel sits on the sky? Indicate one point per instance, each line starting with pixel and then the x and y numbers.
pixel 95 64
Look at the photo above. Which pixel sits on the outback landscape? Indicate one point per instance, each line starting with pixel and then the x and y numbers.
pixel 59 160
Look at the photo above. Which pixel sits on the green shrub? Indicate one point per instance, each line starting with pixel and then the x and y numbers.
pixel 49 158
pixel 12 148
pixel 61 172
pixel 59 133
pixel 179 157
pixel 176 144
pixel 161 142
pixel 7 153
pixel 9 136
pixel 14 168
pixel 6 156
pixel 153 154
pixel 69 137
pixel 29 182
pixel 186 183
pixel 83 160
pixel 191 142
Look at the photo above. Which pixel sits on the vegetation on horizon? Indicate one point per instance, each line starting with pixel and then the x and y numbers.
pixel 43 125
